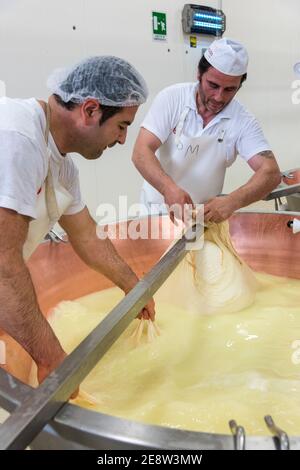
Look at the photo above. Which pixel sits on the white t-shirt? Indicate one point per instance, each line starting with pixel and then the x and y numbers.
pixel 243 135
pixel 24 159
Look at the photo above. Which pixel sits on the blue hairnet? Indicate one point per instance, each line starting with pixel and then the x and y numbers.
pixel 110 80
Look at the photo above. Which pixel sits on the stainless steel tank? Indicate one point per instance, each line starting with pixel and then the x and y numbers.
pixel 264 240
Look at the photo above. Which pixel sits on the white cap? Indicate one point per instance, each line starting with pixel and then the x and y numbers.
pixel 227 56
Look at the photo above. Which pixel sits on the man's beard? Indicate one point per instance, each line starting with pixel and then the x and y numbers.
pixel 205 102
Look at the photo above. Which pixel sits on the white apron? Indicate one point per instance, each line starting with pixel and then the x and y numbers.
pixel 197 165
pixel 52 201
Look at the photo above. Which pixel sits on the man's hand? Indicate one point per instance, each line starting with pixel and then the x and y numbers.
pixel 178 201
pixel 219 209
pixel 148 312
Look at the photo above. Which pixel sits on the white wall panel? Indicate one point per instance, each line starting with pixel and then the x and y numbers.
pixel 37 36
pixel 271 31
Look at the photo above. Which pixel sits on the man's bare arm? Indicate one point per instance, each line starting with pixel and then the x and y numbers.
pixel 100 255
pixel 266 177
pixel 20 315
pixel 145 160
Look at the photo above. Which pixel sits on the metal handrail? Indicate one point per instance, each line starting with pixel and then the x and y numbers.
pixel 12 391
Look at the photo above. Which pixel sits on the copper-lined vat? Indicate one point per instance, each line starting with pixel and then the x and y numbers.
pixel 263 240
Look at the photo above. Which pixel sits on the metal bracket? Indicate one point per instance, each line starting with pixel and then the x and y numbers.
pixel 283 191
pixel 281 437
pixel 239 435
pixel 12 391
pixel 55 237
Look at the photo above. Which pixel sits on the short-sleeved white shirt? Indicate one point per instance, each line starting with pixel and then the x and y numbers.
pixel 24 159
pixel 243 136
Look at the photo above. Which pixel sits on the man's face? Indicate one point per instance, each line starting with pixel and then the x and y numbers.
pixel 112 131
pixel 216 89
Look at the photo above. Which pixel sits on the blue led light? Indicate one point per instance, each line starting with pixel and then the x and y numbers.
pixel 207 25
pixel 207 17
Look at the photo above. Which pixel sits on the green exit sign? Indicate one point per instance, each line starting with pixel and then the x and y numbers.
pixel 159 25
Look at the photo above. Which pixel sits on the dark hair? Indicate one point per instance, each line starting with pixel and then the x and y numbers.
pixel 69 105
pixel 107 111
pixel 204 65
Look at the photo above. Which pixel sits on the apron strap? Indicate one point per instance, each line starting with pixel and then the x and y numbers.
pixel 47 130
pixel 51 202
pixel 179 127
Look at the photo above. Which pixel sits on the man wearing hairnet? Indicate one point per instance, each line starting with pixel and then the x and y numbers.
pixel 194 131
pixel 90 108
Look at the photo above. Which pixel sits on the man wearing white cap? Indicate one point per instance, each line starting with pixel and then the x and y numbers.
pixel 194 131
